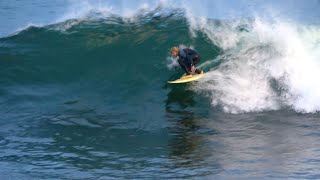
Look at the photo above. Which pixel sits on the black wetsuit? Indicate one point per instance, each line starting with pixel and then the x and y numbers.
pixel 187 59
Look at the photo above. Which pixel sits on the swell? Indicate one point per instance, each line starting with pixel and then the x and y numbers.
pixel 106 59
pixel 97 43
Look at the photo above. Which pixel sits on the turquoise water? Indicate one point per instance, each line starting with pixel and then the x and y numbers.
pixel 84 91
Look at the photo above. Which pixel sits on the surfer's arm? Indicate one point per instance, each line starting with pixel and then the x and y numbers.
pixel 190 60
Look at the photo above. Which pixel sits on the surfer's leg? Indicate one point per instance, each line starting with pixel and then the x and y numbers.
pixel 183 66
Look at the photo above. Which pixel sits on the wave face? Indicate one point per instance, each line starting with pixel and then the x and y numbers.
pixel 253 65
pixel 113 65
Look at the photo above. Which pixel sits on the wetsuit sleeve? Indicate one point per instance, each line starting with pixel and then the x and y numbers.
pixel 183 65
pixel 189 55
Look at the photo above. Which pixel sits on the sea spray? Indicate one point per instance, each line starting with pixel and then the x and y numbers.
pixel 256 57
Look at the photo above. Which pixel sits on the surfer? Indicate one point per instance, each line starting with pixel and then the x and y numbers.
pixel 187 59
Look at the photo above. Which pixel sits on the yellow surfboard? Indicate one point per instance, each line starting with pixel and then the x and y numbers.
pixel 185 79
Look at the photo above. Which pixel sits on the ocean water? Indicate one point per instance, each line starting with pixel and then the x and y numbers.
pixel 84 93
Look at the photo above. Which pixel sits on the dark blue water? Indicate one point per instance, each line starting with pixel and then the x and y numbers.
pixel 84 93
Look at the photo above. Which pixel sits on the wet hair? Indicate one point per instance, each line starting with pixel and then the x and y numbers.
pixel 174 49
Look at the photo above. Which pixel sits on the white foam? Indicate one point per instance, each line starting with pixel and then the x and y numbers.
pixel 280 51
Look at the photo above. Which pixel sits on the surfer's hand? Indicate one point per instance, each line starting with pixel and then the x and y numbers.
pixel 193 69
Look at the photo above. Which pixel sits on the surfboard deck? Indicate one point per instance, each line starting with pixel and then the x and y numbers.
pixel 185 79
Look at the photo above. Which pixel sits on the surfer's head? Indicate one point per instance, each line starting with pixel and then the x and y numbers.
pixel 174 51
